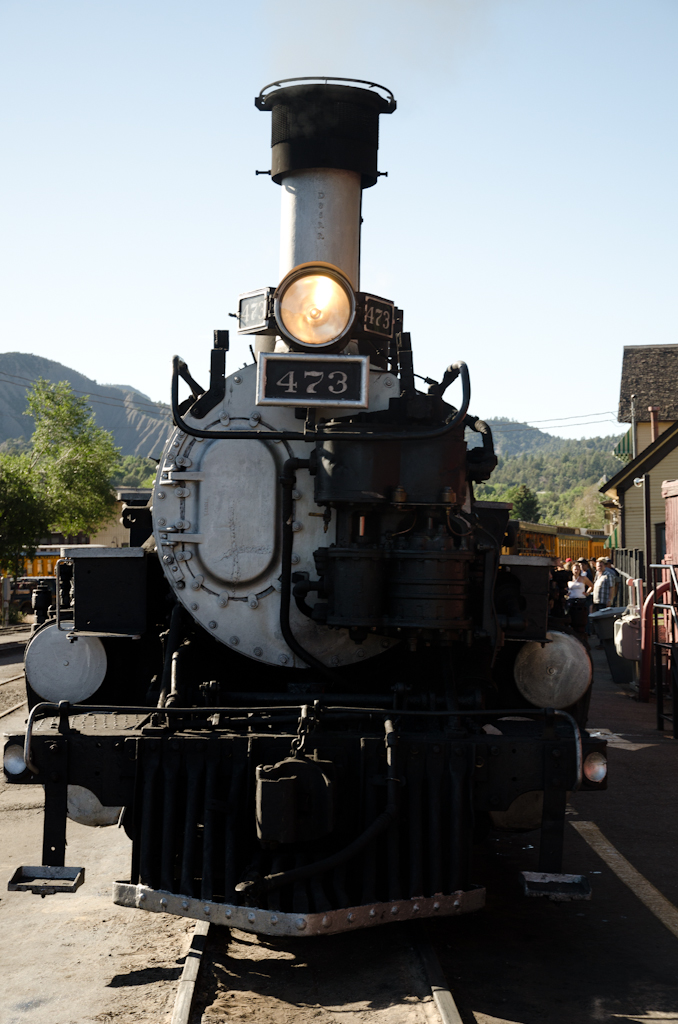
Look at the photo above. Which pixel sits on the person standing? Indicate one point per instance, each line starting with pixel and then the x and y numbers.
pixel 560 578
pixel 586 569
pixel 602 586
pixel 578 589
pixel 616 578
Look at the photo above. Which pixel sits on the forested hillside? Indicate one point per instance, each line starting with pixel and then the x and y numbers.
pixel 577 464
pixel 512 438
pixel 515 438
pixel 563 474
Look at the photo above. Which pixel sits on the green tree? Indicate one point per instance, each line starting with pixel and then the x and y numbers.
pixel 24 513
pixel 134 471
pixel 578 506
pixel 525 503
pixel 73 458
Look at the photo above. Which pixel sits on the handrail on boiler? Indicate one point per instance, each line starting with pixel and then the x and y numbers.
pixel 325 435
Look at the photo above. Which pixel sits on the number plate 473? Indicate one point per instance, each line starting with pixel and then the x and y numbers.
pixel 312 380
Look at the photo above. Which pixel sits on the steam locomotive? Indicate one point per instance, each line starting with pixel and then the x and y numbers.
pixel 312 681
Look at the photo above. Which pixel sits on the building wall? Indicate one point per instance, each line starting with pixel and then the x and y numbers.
pixel 643 435
pixel 634 529
pixel 113 534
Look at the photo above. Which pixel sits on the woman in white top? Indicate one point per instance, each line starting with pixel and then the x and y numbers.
pixel 579 586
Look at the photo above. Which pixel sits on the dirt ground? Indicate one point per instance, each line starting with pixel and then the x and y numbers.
pixel 371 976
pixel 78 959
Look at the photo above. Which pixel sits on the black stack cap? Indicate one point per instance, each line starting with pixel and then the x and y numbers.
pixel 325 125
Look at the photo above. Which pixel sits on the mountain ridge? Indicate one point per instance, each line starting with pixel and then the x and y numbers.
pixel 139 425
pixel 512 438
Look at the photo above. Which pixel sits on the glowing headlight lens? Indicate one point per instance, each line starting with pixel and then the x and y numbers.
pixel 14 760
pixel 315 307
pixel 595 767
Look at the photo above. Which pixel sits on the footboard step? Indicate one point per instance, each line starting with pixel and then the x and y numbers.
pixel 45 880
pixel 556 887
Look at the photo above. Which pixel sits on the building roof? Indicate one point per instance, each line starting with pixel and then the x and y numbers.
pixel 643 463
pixel 133 493
pixel 649 372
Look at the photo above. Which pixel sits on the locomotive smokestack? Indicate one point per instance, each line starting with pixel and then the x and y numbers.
pixel 324 143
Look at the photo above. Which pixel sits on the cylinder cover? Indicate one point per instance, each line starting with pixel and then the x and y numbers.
pixel 554 675
pixel 60 670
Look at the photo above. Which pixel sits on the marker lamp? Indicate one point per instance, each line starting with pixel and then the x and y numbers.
pixel 595 767
pixel 314 306
pixel 13 759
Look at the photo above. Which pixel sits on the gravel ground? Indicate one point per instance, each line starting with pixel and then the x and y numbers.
pixel 11 664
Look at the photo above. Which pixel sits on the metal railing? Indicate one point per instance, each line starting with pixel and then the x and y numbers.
pixel 629 561
pixel 664 584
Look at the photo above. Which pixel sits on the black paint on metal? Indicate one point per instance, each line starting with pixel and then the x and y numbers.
pixel 317 124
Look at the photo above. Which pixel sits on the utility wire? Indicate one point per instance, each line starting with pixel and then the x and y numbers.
pixel 608 412
pixel 157 409
pixel 102 399
pixel 518 428
pixel 107 400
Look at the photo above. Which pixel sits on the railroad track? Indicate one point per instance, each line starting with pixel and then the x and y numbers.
pixel 385 974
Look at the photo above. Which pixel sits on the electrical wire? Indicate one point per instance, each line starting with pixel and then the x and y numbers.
pixel 100 399
pixel 607 412
pixel 107 400
pixel 498 428
pixel 157 409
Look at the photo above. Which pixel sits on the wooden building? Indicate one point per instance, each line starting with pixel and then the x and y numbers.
pixel 649 389
pixel 648 379
pixel 113 534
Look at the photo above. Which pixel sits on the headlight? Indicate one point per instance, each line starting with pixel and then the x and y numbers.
pixel 315 306
pixel 595 767
pixel 13 759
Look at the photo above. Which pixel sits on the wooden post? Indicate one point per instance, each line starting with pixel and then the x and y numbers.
pixel 647 516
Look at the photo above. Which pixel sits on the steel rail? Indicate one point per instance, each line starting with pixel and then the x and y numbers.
pixel 186 991
pixel 436 983
pixel 8 711
pixel 442 997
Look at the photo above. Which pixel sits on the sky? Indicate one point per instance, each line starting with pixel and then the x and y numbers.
pixel 528 223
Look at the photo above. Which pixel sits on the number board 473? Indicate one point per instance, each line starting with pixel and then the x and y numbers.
pixel 377 316
pixel 254 313
pixel 312 380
